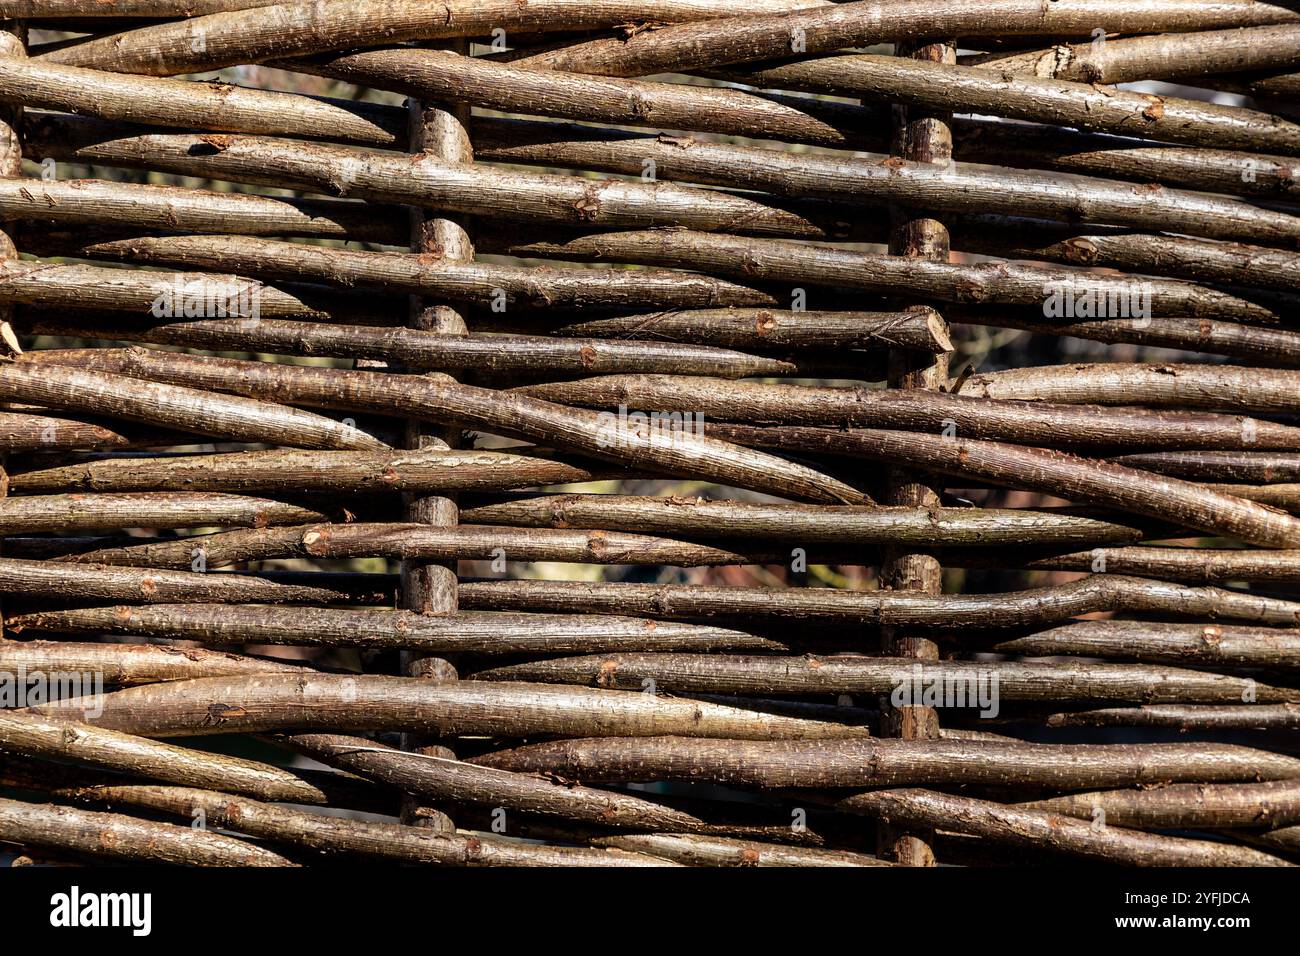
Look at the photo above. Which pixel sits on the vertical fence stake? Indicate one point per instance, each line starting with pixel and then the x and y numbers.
pixel 13 43
pixel 924 138
pixel 441 132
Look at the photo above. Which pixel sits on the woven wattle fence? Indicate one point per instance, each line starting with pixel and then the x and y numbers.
pixel 650 432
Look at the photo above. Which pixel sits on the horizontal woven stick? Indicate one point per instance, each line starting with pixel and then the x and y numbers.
pixel 1127 157
pixel 474 284
pixel 28 9
pixel 1038 606
pixel 131 663
pixel 151 208
pixel 1194 565
pixel 921 329
pixel 960 187
pixel 300 829
pixel 1260 391
pixel 1062 102
pixel 287 470
pixel 369 702
pixel 781 261
pixel 445 779
pixel 76 512
pixel 891 763
pixel 1020 145
pixel 419 179
pixel 1246 343
pixel 1283 839
pixel 97 288
pixel 1285 85
pixel 1251 466
pixel 1037 829
pixel 1004 680
pixel 407 541
pixel 254 35
pixel 752 525
pixel 822 830
pixel 695 850
pixel 1169 56
pixel 84 745
pixel 1272 804
pixel 1177 256
pixel 1211 645
pixel 802 524
pixel 22 431
pixel 1091 481
pixel 44 84
pixel 115 836
pixel 176 209
pixel 419 349
pixel 57 581
pixel 1203 718
pixel 682 47
pixel 1016 145
pixel 624 102
pixel 1285 496
pixel 1020 422
pixel 174 406
pixel 468 632
pixel 675 451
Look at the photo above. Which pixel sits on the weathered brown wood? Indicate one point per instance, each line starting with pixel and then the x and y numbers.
pixel 922 329
pixel 175 406
pixel 28 514
pixel 372 702
pixel 1221 387
pixel 288 470
pixel 115 836
pixel 300 829
pixel 131 663
pixel 846 674
pixel 1246 466
pixel 1062 102
pixel 91 582
pixel 1018 421
pixel 1185 717
pixel 425 349
pixel 415 541
pixel 945 527
pixel 252 35
pixel 1033 607
pixel 684 408
pixel 1269 805
pixel 176 209
pixel 683 47
pixel 1167 56
pixel 1036 828
pixel 694 850
pixel 71 740
pixel 442 778
pixel 1193 565
pixel 891 763
pixel 474 407
pixel 781 261
pixel 466 632
pixel 1092 481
